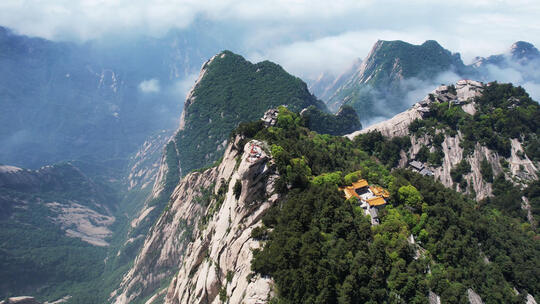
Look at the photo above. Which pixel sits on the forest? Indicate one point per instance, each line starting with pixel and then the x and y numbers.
pixel 321 248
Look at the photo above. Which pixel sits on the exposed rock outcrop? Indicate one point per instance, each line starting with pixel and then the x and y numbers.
pixel 520 171
pixel 473 297
pixel 203 238
pixel 20 300
pixel 146 162
pixel 434 298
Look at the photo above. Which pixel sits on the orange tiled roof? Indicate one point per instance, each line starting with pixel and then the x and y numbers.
pixel 350 192
pixel 376 201
pixel 379 191
pixel 360 184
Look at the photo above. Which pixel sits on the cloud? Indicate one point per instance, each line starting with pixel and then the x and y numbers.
pixel 182 87
pixel 533 89
pixel 331 54
pixel 386 104
pixel 525 75
pixel 418 89
pixel 150 86
pixel 305 36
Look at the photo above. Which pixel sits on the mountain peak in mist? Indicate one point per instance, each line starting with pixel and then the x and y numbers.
pixel 380 77
pixel 522 50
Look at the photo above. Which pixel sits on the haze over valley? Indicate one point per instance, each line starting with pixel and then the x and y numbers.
pixel 269 152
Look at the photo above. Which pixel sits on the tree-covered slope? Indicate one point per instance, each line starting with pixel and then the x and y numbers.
pixel 233 90
pixel 320 248
pixel 56 224
pixel 345 121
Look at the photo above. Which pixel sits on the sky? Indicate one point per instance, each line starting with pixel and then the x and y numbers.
pixel 306 37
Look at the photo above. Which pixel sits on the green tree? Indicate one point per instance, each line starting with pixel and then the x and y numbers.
pixel 410 196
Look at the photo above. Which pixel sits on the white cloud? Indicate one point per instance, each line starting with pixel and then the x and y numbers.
pixel 332 54
pixel 533 89
pixel 305 36
pixel 150 86
pixel 182 87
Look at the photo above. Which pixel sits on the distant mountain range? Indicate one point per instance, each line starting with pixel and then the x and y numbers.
pixel 95 101
pixel 395 73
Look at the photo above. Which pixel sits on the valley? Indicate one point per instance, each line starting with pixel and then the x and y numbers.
pixel 239 194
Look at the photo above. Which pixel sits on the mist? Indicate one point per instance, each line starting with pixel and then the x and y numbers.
pixel 522 74
pixel 306 37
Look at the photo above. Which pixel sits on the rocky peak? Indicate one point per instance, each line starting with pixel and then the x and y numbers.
pixel 465 90
pixel 522 50
pixel 229 90
pixel 203 238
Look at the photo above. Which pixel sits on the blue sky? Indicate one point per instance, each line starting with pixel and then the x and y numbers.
pixel 306 37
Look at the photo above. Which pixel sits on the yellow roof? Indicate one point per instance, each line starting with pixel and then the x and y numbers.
pixel 376 201
pixel 378 191
pixel 360 184
pixel 349 192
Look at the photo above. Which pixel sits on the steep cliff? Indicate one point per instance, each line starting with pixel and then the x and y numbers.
pixel 503 155
pixel 203 238
pixel 228 91
pixel 144 165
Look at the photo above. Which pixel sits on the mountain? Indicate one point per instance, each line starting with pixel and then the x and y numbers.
pixel 479 139
pixel 524 51
pixel 94 101
pixel 395 73
pixel 379 85
pixel 56 225
pixel 519 65
pixel 520 52
pixel 229 91
pixel 270 223
pixel 325 86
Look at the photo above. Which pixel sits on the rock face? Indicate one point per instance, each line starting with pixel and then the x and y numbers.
pixel 521 168
pixel 434 298
pixel 203 238
pixel 474 298
pixel 20 300
pixel 144 166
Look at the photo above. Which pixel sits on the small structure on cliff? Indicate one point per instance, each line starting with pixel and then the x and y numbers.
pixel 420 168
pixel 270 117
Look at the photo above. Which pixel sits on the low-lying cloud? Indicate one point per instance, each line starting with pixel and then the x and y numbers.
pixel 291 32
pixel 150 86
pixel 517 73
pixel 388 104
